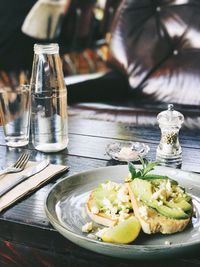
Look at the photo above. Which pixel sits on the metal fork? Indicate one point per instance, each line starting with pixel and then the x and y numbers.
pixel 18 166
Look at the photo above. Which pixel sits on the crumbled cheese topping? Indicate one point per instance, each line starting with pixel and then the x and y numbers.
pixel 107 204
pixel 160 203
pixel 88 227
pixel 168 186
pixel 117 206
pixel 100 232
pixel 114 210
pixel 109 185
pixel 166 192
pixel 161 193
pixel 94 210
pixel 143 212
pixel 157 194
pixel 122 194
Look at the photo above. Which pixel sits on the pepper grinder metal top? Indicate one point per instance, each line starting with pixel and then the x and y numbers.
pixel 169 152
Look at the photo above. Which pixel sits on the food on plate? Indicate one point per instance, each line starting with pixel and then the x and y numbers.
pixel 159 203
pixel 155 203
pixel 109 203
pixel 88 227
pixel 124 232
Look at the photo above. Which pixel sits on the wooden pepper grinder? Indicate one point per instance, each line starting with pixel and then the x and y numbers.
pixel 169 152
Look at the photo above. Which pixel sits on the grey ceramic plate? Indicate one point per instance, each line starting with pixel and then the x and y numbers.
pixel 65 206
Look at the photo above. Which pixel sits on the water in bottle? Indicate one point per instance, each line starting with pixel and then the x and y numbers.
pixel 49 100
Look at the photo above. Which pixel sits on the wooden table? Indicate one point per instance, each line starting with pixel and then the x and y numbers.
pixel 28 239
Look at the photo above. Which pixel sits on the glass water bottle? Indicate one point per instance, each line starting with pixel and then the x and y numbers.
pixel 49 100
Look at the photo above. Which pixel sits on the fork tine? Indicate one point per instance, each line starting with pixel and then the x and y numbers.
pixel 19 160
pixel 23 162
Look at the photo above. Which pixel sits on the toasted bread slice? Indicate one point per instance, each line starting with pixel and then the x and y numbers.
pixel 153 222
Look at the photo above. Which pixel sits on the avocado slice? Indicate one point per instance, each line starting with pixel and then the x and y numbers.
pixel 185 197
pixel 153 176
pixel 143 190
pixel 100 193
pixel 183 204
pixel 173 213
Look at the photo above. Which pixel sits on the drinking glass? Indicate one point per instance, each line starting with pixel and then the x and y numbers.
pixel 15 114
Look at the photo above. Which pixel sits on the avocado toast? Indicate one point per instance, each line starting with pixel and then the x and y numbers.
pixel 156 201
pixel 159 203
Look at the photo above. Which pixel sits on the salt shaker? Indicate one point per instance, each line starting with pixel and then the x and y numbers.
pixel 169 152
pixel 49 121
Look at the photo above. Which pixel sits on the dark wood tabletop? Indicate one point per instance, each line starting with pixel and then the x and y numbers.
pixel 27 237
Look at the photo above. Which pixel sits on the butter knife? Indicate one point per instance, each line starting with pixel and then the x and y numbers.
pixel 36 169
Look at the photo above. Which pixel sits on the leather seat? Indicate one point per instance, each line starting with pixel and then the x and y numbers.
pixel 156 44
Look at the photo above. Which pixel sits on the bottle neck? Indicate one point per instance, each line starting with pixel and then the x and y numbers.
pixel 47 75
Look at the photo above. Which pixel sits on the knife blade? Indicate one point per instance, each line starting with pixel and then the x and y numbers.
pixel 36 169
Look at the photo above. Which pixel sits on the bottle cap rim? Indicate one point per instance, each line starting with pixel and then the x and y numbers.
pixel 51 48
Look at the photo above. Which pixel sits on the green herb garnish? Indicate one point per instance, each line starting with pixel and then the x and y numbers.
pixel 142 173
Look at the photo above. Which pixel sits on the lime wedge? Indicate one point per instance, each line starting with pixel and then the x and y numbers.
pixel 125 232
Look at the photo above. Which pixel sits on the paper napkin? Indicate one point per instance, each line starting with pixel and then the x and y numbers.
pixel 28 185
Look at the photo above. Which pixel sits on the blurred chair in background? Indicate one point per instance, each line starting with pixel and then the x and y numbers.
pixel 76 37
pixel 87 50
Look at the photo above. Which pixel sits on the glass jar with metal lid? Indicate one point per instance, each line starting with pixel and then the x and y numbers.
pixel 169 151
